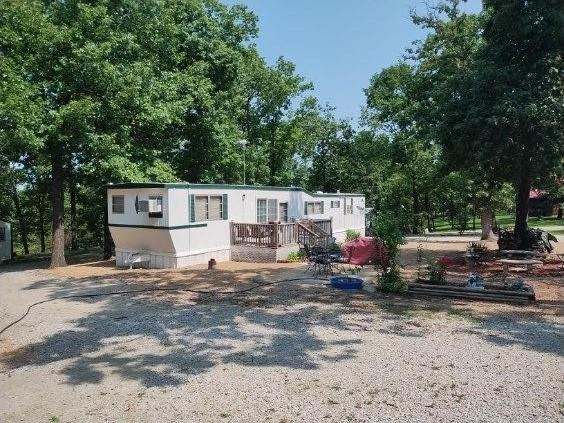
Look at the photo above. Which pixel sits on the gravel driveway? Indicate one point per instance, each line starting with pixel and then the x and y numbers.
pixel 293 352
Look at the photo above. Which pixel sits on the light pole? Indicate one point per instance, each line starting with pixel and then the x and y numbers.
pixel 244 143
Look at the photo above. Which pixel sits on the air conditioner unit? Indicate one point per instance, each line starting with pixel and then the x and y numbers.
pixel 154 206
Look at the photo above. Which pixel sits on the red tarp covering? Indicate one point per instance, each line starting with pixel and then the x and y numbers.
pixel 365 250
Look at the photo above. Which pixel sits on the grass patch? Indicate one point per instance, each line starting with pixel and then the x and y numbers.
pixel 549 223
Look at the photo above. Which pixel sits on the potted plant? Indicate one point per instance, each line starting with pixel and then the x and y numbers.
pixel 476 253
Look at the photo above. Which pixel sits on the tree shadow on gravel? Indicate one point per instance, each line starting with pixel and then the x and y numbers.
pixel 163 338
pixel 533 333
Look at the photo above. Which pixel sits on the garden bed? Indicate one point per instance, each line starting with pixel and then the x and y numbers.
pixel 488 293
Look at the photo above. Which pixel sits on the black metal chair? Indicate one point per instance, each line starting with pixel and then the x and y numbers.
pixel 310 258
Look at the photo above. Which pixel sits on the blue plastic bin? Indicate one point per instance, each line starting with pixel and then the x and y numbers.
pixel 346 282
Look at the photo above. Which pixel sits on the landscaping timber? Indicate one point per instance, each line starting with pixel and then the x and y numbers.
pixel 487 294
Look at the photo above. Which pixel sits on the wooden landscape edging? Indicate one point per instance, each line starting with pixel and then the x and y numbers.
pixel 471 293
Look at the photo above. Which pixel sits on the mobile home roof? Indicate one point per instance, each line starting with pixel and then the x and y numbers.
pixel 127 185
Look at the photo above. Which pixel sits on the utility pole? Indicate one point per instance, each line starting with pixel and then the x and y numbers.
pixel 244 143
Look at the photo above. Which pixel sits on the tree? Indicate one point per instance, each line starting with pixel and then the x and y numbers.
pixel 102 95
pixel 394 108
pixel 496 89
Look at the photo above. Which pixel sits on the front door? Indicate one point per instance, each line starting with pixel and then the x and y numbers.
pixel 283 212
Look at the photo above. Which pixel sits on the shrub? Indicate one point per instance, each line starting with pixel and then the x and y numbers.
pixel 388 228
pixel 390 281
pixel 296 256
pixel 437 273
pixel 476 246
pixel 355 270
pixel 351 235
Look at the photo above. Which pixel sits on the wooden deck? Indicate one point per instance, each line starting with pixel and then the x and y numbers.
pixel 274 235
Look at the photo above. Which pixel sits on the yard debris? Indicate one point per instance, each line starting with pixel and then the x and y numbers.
pixel 475 280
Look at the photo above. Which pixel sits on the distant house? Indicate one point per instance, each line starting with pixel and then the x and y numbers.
pixel 540 204
pixel 179 224
pixel 5 241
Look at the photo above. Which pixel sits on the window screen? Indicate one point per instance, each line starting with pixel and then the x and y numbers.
pixel 314 207
pixel 272 210
pixel 201 208
pixel 209 207
pixel 261 211
pixel 335 204
pixel 215 208
pixel 283 212
pixel 309 208
pixel 348 205
pixel 2 234
pixel 118 204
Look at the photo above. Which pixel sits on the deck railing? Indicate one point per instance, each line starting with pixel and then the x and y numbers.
pixel 278 234
pixel 321 227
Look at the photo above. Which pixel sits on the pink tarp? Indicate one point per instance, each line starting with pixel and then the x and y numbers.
pixel 365 250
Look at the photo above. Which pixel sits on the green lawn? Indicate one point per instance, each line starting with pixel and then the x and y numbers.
pixel 550 224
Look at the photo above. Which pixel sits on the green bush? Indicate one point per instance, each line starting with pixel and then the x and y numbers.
pixel 388 228
pixel 351 235
pixel 437 273
pixel 296 256
pixel 390 281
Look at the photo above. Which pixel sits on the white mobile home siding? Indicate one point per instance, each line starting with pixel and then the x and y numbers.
pixel 5 241
pixel 176 241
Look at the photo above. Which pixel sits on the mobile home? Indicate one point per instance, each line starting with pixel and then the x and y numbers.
pixel 179 224
pixel 5 241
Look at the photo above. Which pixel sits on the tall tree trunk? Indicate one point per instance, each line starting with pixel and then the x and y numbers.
pixel 58 205
pixel 474 212
pixel 522 209
pixel 428 212
pixel 21 220
pixel 41 215
pixel 487 221
pixel 73 234
pixel 416 217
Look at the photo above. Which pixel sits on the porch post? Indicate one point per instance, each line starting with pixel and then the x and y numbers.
pixel 274 239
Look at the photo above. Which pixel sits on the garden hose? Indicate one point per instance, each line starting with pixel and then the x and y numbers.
pixel 137 291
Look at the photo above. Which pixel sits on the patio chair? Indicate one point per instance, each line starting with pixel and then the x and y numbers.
pixel 310 258
pixel 323 261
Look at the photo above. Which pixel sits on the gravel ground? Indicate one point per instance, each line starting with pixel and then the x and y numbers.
pixel 294 352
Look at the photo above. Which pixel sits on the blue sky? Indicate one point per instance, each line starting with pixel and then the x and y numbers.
pixel 338 44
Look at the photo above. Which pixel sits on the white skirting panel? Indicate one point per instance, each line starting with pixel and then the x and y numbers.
pixel 203 258
pixel 163 261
